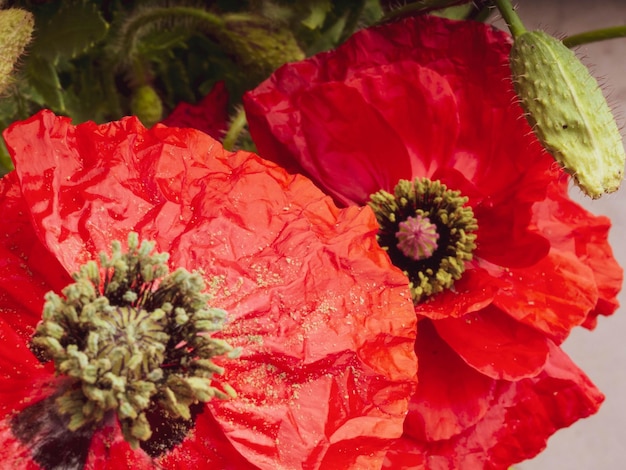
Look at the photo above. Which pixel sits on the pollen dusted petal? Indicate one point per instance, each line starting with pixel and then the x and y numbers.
pixel 313 302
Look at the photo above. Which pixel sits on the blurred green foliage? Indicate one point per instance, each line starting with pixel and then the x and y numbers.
pixel 97 59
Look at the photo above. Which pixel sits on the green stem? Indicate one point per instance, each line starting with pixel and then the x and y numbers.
pixel 131 30
pixel 480 14
pixel 512 20
pixel 236 127
pixel 421 6
pixel 352 22
pixel 595 35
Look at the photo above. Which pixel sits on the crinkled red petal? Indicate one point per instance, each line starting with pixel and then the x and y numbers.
pixel 516 417
pixel 313 301
pixel 26 266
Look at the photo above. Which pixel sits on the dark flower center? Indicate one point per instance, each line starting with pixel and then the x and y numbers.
pixel 427 231
pixel 136 343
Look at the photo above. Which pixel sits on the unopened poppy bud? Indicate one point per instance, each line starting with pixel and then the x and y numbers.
pixel 146 105
pixel 258 45
pixel 568 112
pixel 16 28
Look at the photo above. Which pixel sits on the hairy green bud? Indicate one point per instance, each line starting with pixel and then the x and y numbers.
pixel 16 29
pixel 568 112
pixel 257 44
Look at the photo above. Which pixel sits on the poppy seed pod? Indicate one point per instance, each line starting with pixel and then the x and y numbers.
pixel 568 112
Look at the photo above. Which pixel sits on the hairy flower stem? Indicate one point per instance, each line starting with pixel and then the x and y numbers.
pixel 131 30
pixel 512 19
pixel 595 36
pixel 256 44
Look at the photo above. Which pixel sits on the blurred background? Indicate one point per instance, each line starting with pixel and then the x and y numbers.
pixel 596 442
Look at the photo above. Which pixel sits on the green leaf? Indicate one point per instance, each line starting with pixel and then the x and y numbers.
pixel 8 109
pixel 329 38
pixel 70 32
pixel 176 83
pixel 85 96
pixel 43 77
pixel 317 15
pixel 157 43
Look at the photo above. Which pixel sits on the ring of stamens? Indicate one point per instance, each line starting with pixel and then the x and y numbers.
pixel 408 220
pixel 136 338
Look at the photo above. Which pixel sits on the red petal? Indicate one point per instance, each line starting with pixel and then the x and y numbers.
pixel 25 264
pixel 13 453
pixel 23 380
pixel 451 396
pixel 495 344
pixel 313 301
pixel 505 236
pixel 574 230
pixel 472 58
pixel 519 418
pixel 553 296
pixel 474 291
pixel 210 115
pixel 59 166
pixel 206 447
pixel 109 451
pixel 344 121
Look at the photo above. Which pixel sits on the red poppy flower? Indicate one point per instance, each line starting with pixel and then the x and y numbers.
pixel 210 115
pixel 325 329
pixel 419 119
